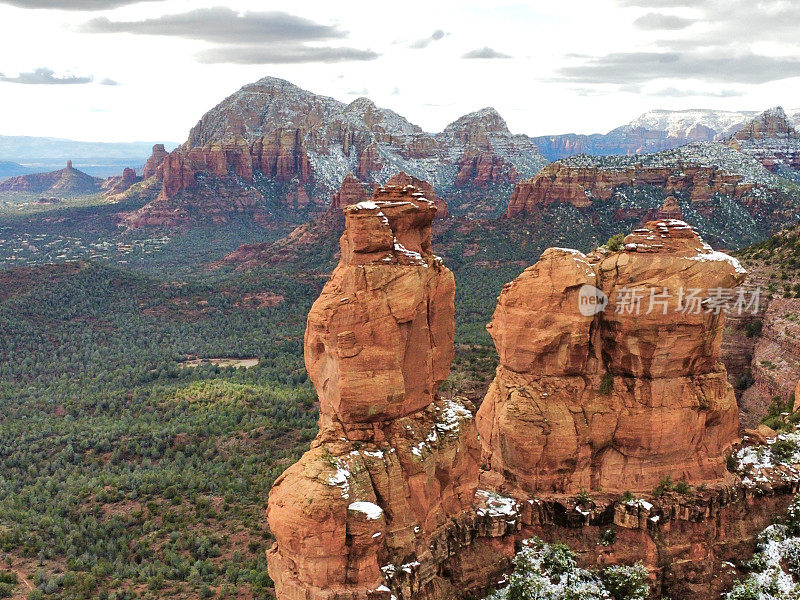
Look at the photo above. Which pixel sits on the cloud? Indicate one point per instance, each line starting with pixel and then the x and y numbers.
pixel 640 67
pixel 223 25
pixel 673 92
pixel 44 76
pixel 485 52
pixel 107 81
pixel 657 4
pixel 72 4
pixel 272 37
pixel 654 21
pixel 259 55
pixel 425 42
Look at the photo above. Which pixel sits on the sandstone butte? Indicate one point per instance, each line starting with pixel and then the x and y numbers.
pixel 405 494
pixel 579 186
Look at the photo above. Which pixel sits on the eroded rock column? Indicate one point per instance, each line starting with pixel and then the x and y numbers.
pixel 393 462
pixel 621 399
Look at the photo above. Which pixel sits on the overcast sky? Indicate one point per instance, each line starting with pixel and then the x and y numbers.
pixel 125 70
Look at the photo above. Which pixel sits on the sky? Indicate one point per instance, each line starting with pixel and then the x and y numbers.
pixel 147 70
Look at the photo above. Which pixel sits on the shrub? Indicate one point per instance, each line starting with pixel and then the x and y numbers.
pixel 793 516
pixel 606 385
pixel 558 559
pixel 626 582
pixel 753 328
pixel 608 537
pixel 783 450
pixel 744 590
pixel 665 485
pixel 614 243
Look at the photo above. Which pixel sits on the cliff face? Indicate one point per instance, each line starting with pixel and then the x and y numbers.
pixel 580 186
pixel 772 139
pixel 621 399
pixel 403 494
pixel 296 148
pixel 392 462
pixel 721 189
pixel 762 351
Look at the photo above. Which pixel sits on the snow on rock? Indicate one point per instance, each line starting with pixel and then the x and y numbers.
pixel 370 509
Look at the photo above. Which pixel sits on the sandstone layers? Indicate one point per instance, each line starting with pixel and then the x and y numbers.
pixel 618 400
pixel 392 462
pixel 292 148
pixel 401 497
pixel 583 185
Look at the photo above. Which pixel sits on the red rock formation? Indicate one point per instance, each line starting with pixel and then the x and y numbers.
pixel 117 185
pixel 351 192
pixel 65 182
pixel 797 397
pixel 579 185
pixel 670 210
pixel 619 400
pixel 389 501
pixel 392 462
pixel 155 160
pixel 403 179
pixel 771 139
pixel 273 130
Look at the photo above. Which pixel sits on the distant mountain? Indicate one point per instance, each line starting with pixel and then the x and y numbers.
pixel 652 131
pixel 41 154
pixel 64 182
pixel 730 196
pixel 773 139
pixel 12 169
pixel 281 152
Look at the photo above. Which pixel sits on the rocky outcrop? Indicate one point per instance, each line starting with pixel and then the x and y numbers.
pixel 392 463
pixel 620 399
pixel 772 139
pixel 581 186
pixel 118 185
pixel 670 210
pixel 403 179
pixel 296 147
pixel 65 182
pixel 352 191
pixel 154 161
pixel 391 502
pixel 730 196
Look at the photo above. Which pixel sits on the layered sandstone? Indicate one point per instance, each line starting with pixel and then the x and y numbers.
pixel 580 186
pixel 296 147
pixel 772 139
pixel 391 502
pixel 403 179
pixel 670 210
pixel 392 463
pixel 118 185
pixel 621 399
pixel 154 161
